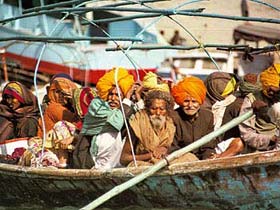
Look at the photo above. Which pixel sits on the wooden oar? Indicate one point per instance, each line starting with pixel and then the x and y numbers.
pixel 122 187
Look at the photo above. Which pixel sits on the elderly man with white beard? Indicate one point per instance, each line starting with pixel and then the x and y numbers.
pixel 152 130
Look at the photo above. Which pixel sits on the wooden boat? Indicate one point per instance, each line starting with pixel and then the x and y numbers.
pixel 248 181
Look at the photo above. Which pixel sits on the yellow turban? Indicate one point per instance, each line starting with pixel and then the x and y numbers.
pixel 14 89
pixel 230 87
pixel 189 86
pixel 107 81
pixel 150 81
pixel 270 77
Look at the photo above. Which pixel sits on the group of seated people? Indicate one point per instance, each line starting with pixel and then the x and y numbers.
pixel 122 122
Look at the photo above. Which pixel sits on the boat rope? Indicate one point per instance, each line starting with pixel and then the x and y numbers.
pixel 124 117
pixel 139 34
pixel 82 2
pixel 54 39
pixel 36 86
pixel 200 44
pixel 168 12
pixel 36 89
pixel 124 52
pixel 266 4
pixel 240 47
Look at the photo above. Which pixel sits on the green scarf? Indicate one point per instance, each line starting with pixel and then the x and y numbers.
pixel 100 118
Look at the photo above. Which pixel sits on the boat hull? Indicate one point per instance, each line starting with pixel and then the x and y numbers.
pixel 245 182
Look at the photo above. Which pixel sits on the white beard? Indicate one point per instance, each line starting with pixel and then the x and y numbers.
pixel 158 122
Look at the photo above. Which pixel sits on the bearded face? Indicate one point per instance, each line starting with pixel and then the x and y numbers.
pixel 157 113
pixel 158 122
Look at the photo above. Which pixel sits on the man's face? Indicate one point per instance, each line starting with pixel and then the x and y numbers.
pixel 190 106
pixel 113 98
pixel 157 113
pixel 11 102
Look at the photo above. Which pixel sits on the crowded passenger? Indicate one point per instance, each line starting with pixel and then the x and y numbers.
pixel 192 121
pixel 151 81
pixel 221 88
pixel 81 101
pixel 152 131
pixel 59 113
pixel 258 132
pixel 19 112
pixel 59 106
pixel 248 84
pixel 101 138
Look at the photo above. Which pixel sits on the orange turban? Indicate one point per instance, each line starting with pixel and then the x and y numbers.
pixel 105 83
pixel 270 77
pixel 189 86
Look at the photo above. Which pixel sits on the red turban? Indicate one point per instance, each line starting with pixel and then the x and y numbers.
pixel 14 89
pixel 189 86
pixel 82 98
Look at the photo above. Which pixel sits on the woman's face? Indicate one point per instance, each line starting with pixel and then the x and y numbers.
pixel 190 106
pixel 11 102
pixel 60 97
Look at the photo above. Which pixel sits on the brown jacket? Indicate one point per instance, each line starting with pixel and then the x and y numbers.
pixel 189 130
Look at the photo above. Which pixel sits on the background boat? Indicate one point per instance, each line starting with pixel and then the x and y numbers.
pixel 85 61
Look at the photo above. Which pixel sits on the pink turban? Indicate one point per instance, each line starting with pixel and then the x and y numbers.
pixel 189 86
pixel 105 83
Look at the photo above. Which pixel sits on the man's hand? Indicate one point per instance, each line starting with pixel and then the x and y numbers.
pixel 138 91
pixel 160 152
pixel 132 90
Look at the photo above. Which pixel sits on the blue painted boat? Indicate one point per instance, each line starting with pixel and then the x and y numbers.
pixel 248 181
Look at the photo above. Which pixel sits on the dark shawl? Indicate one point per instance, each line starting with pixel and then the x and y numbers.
pixel 189 130
pixel 21 122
